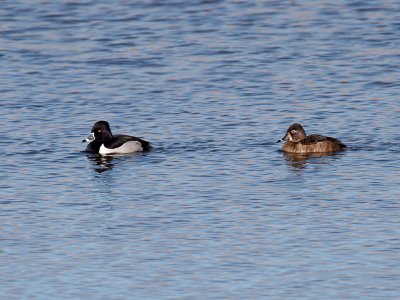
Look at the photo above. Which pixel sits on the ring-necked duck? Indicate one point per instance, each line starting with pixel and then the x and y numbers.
pixel 298 142
pixel 102 141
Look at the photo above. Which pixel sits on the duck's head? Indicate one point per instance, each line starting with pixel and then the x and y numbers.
pixel 100 131
pixel 295 133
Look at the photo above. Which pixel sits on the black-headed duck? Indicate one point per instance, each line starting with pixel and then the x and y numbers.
pixel 102 141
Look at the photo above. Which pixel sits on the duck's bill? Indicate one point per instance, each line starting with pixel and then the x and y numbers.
pixel 283 139
pixel 89 138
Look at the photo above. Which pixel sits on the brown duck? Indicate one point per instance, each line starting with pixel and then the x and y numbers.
pixel 296 141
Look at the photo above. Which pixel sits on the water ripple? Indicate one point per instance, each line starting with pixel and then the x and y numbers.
pixel 216 210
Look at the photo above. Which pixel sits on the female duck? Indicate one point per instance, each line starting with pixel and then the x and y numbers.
pixel 102 141
pixel 298 142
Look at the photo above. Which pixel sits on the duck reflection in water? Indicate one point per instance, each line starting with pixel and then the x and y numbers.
pixel 300 160
pixel 102 162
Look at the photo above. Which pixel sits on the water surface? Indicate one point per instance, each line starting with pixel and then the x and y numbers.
pixel 216 211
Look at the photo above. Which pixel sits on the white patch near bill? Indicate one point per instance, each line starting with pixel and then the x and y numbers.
pixel 128 147
pixel 89 138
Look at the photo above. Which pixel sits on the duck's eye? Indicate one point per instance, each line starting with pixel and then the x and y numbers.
pixel 293 131
pixel 99 130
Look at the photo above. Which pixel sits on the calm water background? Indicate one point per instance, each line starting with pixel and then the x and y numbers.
pixel 216 211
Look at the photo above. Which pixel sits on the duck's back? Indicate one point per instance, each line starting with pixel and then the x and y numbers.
pixel 314 143
pixel 126 144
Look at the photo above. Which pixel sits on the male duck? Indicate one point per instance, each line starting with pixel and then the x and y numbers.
pixel 298 142
pixel 102 141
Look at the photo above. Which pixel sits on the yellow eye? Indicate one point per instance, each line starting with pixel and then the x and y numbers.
pixel 99 130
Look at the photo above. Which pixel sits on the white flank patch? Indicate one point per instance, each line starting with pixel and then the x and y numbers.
pixel 128 147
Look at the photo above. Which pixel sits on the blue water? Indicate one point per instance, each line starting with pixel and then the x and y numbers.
pixel 216 211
